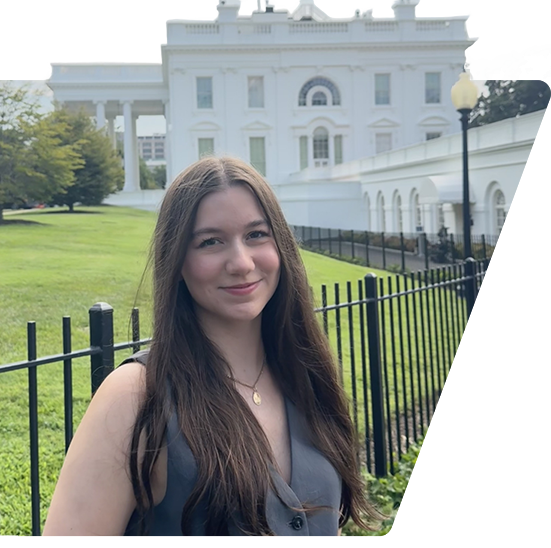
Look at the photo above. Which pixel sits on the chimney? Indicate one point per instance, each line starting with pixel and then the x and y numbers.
pixel 228 10
pixel 404 10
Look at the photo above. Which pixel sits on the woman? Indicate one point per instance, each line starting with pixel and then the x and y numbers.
pixel 237 424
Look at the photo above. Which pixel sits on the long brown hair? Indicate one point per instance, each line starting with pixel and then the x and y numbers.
pixel 232 452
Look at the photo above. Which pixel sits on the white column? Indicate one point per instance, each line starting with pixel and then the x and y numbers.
pixel 136 153
pixel 111 132
pixel 168 151
pixel 449 218
pixel 130 180
pixel 406 218
pixel 100 114
pixel 390 221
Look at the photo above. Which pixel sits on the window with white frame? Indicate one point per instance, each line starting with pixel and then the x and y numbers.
pixel 382 214
pixel 204 92
pixel 319 81
pixel 500 213
pixel 383 142
pixel 303 144
pixel 319 99
pixel 432 87
pixel 321 147
pixel 542 217
pixel 429 135
pixel 398 213
pixel 417 211
pixel 257 147
pixel 382 89
pixel 256 91
pixel 205 146
pixel 338 149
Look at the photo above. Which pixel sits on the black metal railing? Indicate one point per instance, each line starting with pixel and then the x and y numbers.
pixel 394 340
pixel 399 252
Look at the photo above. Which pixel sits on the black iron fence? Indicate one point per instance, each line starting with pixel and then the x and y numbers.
pixel 400 252
pixel 394 340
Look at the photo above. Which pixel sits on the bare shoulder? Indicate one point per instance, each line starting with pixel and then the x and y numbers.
pixel 94 493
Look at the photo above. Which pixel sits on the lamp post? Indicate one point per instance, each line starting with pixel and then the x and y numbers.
pixel 464 96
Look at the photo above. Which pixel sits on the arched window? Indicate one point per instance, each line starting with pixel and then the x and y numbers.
pixel 381 213
pixel 319 99
pixel 398 220
pixel 499 208
pixel 418 217
pixel 321 147
pixel 318 81
pixel 542 218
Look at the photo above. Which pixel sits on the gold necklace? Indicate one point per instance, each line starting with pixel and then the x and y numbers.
pixel 256 396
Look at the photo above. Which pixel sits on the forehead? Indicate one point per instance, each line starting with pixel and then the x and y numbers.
pixel 233 205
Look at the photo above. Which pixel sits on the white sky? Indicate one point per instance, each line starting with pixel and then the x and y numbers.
pixel 35 32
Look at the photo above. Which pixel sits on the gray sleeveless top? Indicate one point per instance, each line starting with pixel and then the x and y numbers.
pixel 314 481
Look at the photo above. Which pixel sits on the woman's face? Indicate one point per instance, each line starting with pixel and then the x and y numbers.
pixel 232 263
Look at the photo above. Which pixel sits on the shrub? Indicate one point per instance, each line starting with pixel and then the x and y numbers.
pixel 464 477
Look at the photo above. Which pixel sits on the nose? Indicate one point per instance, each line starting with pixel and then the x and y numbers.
pixel 240 260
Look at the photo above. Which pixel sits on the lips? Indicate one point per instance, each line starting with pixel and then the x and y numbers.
pixel 242 289
pixel 240 286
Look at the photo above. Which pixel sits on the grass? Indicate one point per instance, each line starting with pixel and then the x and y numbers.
pixel 59 264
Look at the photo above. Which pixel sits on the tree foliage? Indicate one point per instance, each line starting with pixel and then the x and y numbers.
pixel 509 99
pixel 159 174
pixel 101 172
pixel 147 180
pixel 35 160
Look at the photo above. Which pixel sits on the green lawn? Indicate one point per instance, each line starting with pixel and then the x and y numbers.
pixel 60 264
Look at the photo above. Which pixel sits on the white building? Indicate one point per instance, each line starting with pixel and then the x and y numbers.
pixel 296 94
pixel 283 90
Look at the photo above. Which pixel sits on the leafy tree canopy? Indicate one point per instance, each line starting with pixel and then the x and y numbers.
pixel 35 160
pixel 509 99
pixel 101 172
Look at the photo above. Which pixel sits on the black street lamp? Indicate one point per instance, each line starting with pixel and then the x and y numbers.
pixel 464 96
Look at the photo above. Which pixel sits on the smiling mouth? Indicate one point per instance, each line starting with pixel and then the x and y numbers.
pixel 241 286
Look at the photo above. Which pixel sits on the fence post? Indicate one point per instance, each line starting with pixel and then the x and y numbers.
pixel 375 372
pixel 352 242
pixel 101 335
pixel 524 287
pixel 472 324
pixel 484 247
pixel 340 243
pixel 319 238
pixel 403 253
pixel 367 248
pixel 384 252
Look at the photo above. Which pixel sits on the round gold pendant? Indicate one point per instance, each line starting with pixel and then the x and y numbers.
pixel 256 398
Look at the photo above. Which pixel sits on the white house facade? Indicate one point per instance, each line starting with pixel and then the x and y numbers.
pixel 316 104
pixel 281 89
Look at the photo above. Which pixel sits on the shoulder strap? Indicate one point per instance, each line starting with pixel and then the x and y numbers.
pixel 140 357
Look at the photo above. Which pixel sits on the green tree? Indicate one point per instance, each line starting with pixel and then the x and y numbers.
pixel 101 172
pixel 159 174
pixel 508 99
pixel 147 180
pixel 35 160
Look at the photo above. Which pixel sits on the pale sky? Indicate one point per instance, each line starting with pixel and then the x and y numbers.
pixel 35 32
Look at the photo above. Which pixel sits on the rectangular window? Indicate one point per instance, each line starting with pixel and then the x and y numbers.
pixel 382 89
pixel 206 147
pixel 338 149
pixel 383 142
pixel 303 152
pixel 432 87
pixel 433 135
pixel 258 154
pixel 256 91
pixel 204 92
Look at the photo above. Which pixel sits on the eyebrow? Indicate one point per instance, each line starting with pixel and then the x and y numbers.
pixel 211 230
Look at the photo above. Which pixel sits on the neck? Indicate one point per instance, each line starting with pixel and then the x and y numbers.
pixel 240 343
